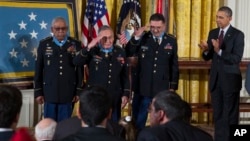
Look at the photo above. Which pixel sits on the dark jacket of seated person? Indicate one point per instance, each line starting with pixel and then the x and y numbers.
pixel 169 121
pixel 72 125
pixel 94 111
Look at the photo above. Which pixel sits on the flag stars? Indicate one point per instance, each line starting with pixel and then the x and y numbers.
pixel 23 44
pixel 22 25
pixel 12 34
pixel 43 25
pixel 13 53
pixel 32 16
pixel 25 62
pixel 33 34
pixel 34 52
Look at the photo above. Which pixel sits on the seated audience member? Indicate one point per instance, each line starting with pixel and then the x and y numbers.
pixel 168 122
pixel 10 107
pixel 128 123
pixel 45 129
pixel 94 112
pixel 22 134
pixel 72 125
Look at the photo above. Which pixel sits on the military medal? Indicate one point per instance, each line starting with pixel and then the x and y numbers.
pixel 106 54
pixel 142 55
pixel 48 62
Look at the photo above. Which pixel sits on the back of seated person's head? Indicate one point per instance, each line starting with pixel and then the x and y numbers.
pixel 170 103
pixel 45 129
pixel 95 105
pixel 10 106
pixel 187 112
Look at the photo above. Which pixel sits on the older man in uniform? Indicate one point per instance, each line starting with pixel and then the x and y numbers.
pixel 107 68
pixel 157 62
pixel 57 79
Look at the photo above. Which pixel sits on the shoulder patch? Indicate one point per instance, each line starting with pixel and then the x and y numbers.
pixel 171 35
pixel 47 38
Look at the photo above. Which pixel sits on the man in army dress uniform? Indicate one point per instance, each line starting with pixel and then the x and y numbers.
pixel 157 62
pixel 57 79
pixel 107 68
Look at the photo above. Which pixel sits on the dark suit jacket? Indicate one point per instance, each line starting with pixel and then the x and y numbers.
pixel 157 64
pixel 72 125
pixel 6 135
pixel 226 65
pixel 56 77
pixel 174 131
pixel 247 82
pixel 92 134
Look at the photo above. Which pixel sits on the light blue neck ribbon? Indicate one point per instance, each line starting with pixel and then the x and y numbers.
pixel 57 42
pixel 159 37
pixel 106 50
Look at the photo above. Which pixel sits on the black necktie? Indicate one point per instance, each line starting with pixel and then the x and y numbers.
pixel 221 38
pixel 157 40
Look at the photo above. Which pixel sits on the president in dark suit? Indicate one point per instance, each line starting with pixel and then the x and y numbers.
pixel 225 46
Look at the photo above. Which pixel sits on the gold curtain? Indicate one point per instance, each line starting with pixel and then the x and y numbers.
pixel 190 21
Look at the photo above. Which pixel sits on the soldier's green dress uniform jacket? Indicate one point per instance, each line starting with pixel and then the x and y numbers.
pixel 56 77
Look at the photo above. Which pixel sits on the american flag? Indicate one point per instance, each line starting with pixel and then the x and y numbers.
pixel 22 26
pixel 129 19
pixel 96 15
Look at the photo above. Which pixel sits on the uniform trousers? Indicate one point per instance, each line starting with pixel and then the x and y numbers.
pixel 58 112
pixel 143 112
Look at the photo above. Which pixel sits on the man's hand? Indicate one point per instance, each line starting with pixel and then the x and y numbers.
pixel 94 41
pixel 75 98
pixel 216 45
pixel 40 99
pixel 139 31
pixel 203 46
pixel 124 101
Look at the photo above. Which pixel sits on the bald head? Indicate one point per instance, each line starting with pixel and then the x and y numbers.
pixel 45 129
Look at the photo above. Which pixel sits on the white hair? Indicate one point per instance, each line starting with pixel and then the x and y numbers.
pixel 45 131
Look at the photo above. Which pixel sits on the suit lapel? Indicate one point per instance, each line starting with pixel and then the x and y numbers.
pixel 229 34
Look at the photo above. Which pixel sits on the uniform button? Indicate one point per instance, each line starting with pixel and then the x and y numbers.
pixel 155 65
pixel 60 67
pixel 61 73
pixel 109 82
pixel 110 64
pixel 154 71
pixel 61 55
pixel 109 70
pixel 155 58
pixel 61 61
pixel 109 76
pixel 156 52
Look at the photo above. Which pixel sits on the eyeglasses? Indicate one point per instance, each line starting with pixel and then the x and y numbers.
pixel 60 28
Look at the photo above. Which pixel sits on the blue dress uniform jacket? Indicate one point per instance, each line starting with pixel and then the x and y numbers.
pixel 109 70
pixel 56 77
pixel 157 63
